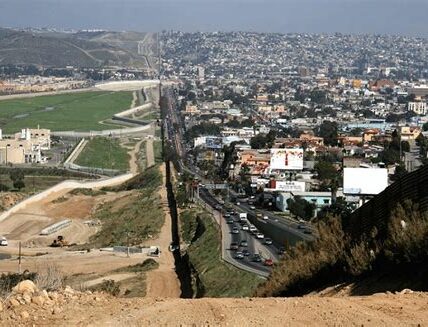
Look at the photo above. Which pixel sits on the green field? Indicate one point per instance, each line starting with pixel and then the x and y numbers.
pixel 65 112
pixel 105 153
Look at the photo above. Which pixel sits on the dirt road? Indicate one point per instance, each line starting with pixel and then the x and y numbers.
pixel 163 282
pixel 134 167
pixel 150 154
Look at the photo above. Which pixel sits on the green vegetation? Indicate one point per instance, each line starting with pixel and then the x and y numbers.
pixel 31 183
pixel 75 111
pixel 105 153
pixel 335 257
pixel 217 278
pixel 157 149
pixel 134 217
pixel 87 192
pixel 146 265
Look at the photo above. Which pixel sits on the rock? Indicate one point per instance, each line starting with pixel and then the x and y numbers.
pixel 26 286
pixel 25 315
pixel 26 297
pixel 14 303
pixel 53 296
pixel 45 294
pixel 69 290
pixel 406 291
pixel 38 300
pixel 56 310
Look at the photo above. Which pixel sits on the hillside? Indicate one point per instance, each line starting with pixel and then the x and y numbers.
pixel 30 307
pixel 67 49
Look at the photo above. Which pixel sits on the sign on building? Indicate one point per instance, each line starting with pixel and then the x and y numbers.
pixel 290 186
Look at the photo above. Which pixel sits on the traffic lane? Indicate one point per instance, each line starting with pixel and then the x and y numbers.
pixel 247 260
pixel 291 228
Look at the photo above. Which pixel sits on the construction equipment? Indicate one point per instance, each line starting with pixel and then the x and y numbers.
pixel 59 242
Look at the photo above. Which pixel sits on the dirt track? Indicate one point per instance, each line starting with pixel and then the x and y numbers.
pixel 163 282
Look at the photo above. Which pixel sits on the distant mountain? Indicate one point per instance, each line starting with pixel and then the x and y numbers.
pixel 80 49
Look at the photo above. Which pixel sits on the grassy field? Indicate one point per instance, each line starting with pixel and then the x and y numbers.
pixel 106 153
pixel 218 278
pixel 75 111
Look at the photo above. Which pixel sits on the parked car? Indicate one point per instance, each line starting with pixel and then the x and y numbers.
pixel 244 243
pixel 268 241
pixel 260 236
pixel 239 255
pixel 234 246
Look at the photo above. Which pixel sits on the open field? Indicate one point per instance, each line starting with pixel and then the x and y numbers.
pixel 104 153
pixel 34 183
pixel 76 111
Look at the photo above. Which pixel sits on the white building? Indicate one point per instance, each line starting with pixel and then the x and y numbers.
pixel 419 108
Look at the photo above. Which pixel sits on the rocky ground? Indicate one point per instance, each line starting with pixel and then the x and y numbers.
pixel 29 306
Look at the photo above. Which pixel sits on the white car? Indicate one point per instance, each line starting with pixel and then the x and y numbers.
pixel 260 235
pixel 253 228
pixel 265 217
pixel 3 241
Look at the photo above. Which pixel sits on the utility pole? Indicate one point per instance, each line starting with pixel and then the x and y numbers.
pixel 19 258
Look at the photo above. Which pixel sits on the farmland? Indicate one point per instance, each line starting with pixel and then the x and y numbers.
pixel 77 111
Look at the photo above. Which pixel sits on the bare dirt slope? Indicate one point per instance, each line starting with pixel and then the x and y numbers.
pixel 83 309
pixel 163 281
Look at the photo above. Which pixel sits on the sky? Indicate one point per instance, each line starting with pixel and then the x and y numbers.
pixel 402 17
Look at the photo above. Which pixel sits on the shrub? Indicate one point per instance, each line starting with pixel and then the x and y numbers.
pixel 109 286
pixel 49 277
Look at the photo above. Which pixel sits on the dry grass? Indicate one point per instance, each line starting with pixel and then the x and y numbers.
pixel 49 277
pixel 334 257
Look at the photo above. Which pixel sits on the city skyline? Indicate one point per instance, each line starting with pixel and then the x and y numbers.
pixel 291 16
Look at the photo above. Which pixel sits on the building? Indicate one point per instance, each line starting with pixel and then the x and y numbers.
pixel 419 108
pixel 25 147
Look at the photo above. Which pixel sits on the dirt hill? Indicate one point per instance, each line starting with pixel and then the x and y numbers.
pixel 28 306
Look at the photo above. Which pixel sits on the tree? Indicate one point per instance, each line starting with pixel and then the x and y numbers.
pixel 325 171
pixel 301 208
pixel 19 184
pixel 328 131
pixel 258 142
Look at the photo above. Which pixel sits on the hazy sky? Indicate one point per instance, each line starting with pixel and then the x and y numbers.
pixel 407 17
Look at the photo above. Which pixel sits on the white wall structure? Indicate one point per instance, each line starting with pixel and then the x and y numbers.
pixel 364 181
pixel 286 159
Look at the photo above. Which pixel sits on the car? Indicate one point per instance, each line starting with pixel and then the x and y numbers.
pixel 238 203
pixel 265 218
pixel 229 221
pixel 252 207
pixel 239 255
pixel 3 241
pixel 226 215
pixel 268 241
pixel 260 236
pixel 307 231
pixel 245 227
pixel 234 246
pixel 217 207
pixel 268 262
pixel 244 243
pixel 259 215
pixel 246 253
pixel 252 197
pixel 253 229
pixel 256 258
pixel 235 230
pixel 301 226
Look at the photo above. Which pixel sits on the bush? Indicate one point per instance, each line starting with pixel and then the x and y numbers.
pixel 49 277
pixel 109 286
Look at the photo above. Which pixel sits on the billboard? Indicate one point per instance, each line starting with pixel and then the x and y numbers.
pixel 286 186
pixel 213 142
pixel 364 181
pixel 286 159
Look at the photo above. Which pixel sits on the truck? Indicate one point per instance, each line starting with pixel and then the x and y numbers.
pixel 243 217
